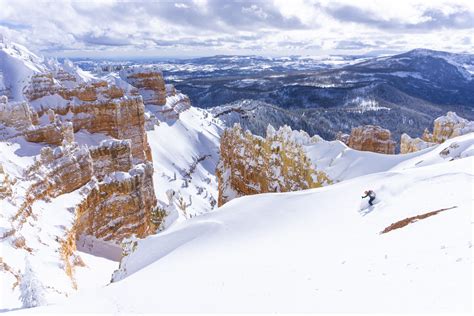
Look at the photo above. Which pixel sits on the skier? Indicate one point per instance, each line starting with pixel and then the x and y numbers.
pixel 371 195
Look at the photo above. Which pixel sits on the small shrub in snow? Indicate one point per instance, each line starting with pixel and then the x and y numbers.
pixel 157 216
pixel 181 204
pixel 129 245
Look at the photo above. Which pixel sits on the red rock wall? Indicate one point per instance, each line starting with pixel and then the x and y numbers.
pixel 372 138
pixel 250 165
pixel 150 85
pixel 111 156
pixel 119 206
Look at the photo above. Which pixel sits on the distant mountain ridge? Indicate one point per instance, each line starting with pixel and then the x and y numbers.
pixel 324 95
pixel 403 92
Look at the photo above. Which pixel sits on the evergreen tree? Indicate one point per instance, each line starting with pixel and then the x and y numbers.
pixel 31 290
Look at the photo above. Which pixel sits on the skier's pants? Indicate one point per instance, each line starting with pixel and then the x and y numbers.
pixel 371 200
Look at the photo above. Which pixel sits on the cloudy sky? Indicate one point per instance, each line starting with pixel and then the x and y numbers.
pixel 208 27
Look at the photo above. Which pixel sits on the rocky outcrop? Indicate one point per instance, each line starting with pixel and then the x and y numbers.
pixel 427 136
pixel 449 126
pixel 119 206
pixel 444 127
pixel 97 107
pixel 343 137
pixel 372 138
pixel 175 104
pixel 113 199
pixel 111 156
pixel 121 118
pixel 149 82
pixel 70 190
pixel 65 77
pixel 162 100
pixel 56 172
pixel 5 184
pixel 250 164
pixel 41 85
pixel 119 198
pixel 410 145
pixel 54 133
pixel 45 84
pixel 59 171
pixel 90 92
pixel 15 114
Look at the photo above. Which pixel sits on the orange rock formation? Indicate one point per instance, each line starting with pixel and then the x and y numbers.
pixel 250 164
pixel 372 138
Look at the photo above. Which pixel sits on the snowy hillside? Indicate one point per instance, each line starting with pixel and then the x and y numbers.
pixel 41 234
pixel 315 250
pixel 341 162
pixel 463 62
pixel 185 155
pixel 18 64
pixel 36 244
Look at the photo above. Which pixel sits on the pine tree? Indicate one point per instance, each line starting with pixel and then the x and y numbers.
pixel 31 290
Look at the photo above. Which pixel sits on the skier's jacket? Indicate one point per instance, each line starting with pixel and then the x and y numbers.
pixel 369 193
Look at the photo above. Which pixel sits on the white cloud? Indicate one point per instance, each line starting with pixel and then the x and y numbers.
pixel 205 27
pixel 181 5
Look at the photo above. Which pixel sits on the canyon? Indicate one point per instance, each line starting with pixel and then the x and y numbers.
pixel 98 164
pixel 82 139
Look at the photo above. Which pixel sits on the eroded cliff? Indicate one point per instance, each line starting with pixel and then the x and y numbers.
pixel 251 164
pixel 371 138
pixel 102 189
pixel 444 127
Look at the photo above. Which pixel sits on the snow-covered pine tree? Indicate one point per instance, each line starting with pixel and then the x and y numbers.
pixel 31 290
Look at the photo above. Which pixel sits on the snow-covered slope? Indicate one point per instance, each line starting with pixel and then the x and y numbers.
pixel 184 150
pixel 463 62
pixel 314 250
pixel 185 155
pixel 41 234
pixel 17 64
pixel 341 162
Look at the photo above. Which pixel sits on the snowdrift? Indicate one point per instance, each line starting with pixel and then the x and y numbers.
pixel 341 162
pixel 314 250
pixel 185 156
